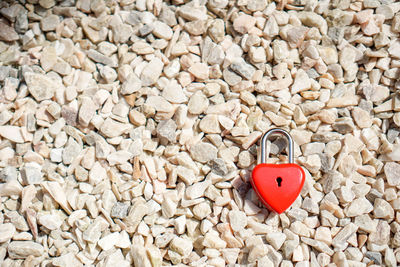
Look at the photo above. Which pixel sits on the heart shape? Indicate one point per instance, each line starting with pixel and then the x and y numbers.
pixel 278 185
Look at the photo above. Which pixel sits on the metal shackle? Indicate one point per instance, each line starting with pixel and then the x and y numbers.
pixel 264 143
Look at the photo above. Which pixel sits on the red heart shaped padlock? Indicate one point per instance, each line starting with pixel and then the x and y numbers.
pixel 277 185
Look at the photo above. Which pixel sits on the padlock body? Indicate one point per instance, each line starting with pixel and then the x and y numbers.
pixel 277 185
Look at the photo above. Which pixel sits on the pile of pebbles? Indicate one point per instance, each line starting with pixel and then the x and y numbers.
pixel 129 130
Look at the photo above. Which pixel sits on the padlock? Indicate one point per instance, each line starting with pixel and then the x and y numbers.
pixel 277 185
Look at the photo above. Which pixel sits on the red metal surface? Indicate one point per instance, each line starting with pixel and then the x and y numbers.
pixel 265 183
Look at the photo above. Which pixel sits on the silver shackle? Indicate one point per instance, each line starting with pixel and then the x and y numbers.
pixel 264 143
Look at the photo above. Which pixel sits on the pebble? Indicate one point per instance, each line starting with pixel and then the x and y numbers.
pixel 166 129
pixel 199 70
pixel 242 68
pixel 112 128
pixel 7 231
pixel 23 249
pixel 237 220
pixel 7 33
pixel 12 133
pixel 392 173
pixel 198 103
pixel 31 173
pixel 181 245
pixel 358 207
pixel 40 86
pixel 203 152
pixel 210 124
pixel 244 23
pixel 301 82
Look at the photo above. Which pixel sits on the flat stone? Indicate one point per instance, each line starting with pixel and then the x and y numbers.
pixel 301 82
pixel 23 249
pixel 112 128
pixel 49 23
pixel 151 72
pixel 7 33
pixel 358 207
pixel 198 103
pixel 199 70
pixel 243 23
pixel 162 30
pixel 119 210
pixel 242 68
pixel 382 209
pixel 12 133
pixel 50 221
pixel 166 129
pixel 392 173
pixel 100 58
pixel 7 231
pixel 173 92
pixel 31 173
pixel 40 86
pixel 203 152
pixel 237 220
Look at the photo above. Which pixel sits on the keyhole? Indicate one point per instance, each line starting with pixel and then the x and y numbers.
pixel 279 181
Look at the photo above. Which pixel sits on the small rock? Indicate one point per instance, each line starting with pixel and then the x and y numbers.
pixel 12 133
pixel 203 152
pixel 31 173
pixel 392 173
pixel 40 86
pixel 276 239
pixel 23 249
pixel 152 72
pixel 112 128
pixel 301 82
pixel 201 210
pixel 7 231
pixel 210 124
pixel 199 70
pixel 50 221
pixel 49 23
pixel 218 166
pixel 181 245
pixel 7 33
pixel 382 209
pixel 243 23
pixel 362 118
pixel 340 239
pixel 198 103
pixel 166 129
pixel 173 93
pixel 162 30
pixel 358 207
pixel 217 30
pixel 242 68
pixel 238 220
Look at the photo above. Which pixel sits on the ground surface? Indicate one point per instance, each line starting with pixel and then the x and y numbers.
pixel 129 129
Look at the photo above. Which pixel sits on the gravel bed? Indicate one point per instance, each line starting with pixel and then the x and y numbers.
pixel 129 130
